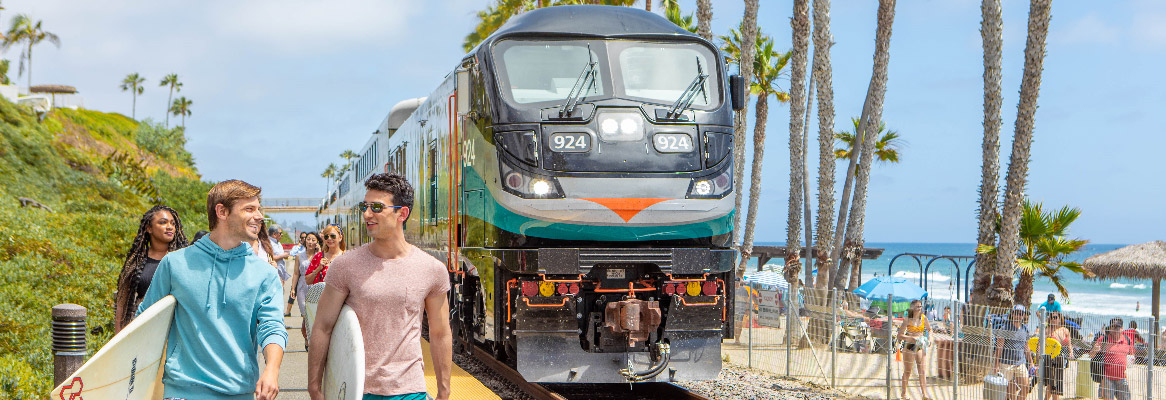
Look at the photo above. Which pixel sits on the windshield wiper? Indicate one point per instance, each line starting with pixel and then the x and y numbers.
pixel 686 98
pixel 584 83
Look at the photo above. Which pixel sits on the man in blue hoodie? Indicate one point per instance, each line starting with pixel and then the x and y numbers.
pixel 228 303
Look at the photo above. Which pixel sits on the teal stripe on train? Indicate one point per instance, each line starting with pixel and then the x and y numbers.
pixel 493 213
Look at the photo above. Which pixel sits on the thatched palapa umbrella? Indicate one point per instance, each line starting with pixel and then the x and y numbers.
pixel 1139 261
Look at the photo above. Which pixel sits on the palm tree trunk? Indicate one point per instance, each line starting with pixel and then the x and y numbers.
pixel 806 204
pixel 876 92
pixel 991 29
pixel 648 5
pixel 755 177
pixel 797 151
pixel 748 47
pixel 169 100
pixel 134 107
pixel 1034 54
pixel 1023 294
pixel 30 66
pixel 704 19
pixel 823 77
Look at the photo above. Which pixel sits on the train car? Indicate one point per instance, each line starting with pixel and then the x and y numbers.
pixel 574 171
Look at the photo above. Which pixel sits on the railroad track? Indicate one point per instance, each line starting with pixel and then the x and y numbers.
pixel 589 391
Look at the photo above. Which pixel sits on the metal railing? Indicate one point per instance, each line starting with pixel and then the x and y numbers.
pixel 817 336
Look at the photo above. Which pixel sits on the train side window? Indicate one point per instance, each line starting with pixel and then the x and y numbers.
pixel 433 182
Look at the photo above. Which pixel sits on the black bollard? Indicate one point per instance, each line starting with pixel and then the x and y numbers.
pixel 68 340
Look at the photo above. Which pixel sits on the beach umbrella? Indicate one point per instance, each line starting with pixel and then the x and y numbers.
pixel 1138 261
pixel 768 278
pixel 883 286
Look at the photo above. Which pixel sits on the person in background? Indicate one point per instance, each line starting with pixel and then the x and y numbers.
pixel 278 254
pixel 333 247
pixel 1117 348
pixel 1133 335
pixel 261 246
pixel 1055 366
pixel 311 247
pixel 914 333
pixel 227 309
pixel 1051 305
pixel 296 254
pixel 198 235
pixel 1013 360
pixel 159 232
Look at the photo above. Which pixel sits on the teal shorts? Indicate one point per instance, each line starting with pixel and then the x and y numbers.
pixel 410 396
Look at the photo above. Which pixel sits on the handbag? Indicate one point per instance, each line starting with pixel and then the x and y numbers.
pixel 924 342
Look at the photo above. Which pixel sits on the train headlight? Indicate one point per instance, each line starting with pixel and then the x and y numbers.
pixel 529 186
pixel 621 126
pixel 712 188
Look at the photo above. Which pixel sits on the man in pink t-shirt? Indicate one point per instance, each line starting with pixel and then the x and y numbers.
pixel 389 283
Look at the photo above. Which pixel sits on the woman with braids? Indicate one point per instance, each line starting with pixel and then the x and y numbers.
pixel 160 232
pixel 333 247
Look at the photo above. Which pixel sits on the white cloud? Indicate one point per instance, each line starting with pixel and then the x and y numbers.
pixel 1089 29
pixel 1149 30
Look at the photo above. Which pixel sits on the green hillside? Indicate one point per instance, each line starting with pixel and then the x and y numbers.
pixel 97 172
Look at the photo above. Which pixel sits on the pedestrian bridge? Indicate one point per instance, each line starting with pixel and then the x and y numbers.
pixel 291 204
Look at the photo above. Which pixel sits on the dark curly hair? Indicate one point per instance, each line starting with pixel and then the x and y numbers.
pixel 394 184
pixel 126 304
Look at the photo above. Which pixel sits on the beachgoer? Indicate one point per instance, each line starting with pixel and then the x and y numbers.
pixel 228 306
pixel 311 247
pixel 333 247
pixel 1117 347
pixel 390 284
pixel 278 254
pixel 1055 366
pixel 159 232
pixel 1133 335
pixel 297 276
pixel 1051 305
pixel 1013 359
pixel 261 247
pixel 915 333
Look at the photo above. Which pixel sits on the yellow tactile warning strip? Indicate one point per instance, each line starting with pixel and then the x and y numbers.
pixel 462 384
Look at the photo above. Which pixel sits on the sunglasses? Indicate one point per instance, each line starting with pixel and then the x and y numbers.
pixel 376 207
pixel 331 236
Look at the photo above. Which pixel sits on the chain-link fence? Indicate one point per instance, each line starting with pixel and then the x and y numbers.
pixel 965 351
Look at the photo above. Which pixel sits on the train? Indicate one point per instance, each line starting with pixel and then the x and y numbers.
pixel 574 172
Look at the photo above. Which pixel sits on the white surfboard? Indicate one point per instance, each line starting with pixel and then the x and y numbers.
pixel 129 366
pixel 344 370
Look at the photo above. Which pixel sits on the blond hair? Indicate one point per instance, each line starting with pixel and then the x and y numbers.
pixel 227 193
pixel 332 228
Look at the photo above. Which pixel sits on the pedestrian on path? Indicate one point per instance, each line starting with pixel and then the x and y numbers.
pixel 311 246
pixel 333 247
pixel 159 232
pixel 915 333
pixel 390 284
pixel 1055 366
pixel 300 259
pixel 228 306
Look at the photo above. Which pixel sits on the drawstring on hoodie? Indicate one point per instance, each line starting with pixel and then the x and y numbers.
pixel 220 275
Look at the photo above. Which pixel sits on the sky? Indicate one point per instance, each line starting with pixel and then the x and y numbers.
pixel 281 88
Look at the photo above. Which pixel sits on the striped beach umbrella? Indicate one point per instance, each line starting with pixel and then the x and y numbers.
pixel 769 279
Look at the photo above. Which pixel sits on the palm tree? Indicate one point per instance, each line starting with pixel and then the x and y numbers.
pixel 133 83
pixel 823 78
pixel 181 107
pixel 348 155
pixel 175 86
pixel 886 147
pixel 856 217
pixel 704 19
pixel 672 13
pixel 31 33
pixel 1034 53
pixel 329 173
pixel 991 28
pixel 797 151
pixel 1043 248
pixel 4 65
pixel 767 68
pixel 745 65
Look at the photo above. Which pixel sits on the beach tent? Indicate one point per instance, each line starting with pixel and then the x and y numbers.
pixel 768 279
pixel 1139 261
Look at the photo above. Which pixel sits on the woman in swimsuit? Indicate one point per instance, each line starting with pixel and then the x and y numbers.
pixel 912 334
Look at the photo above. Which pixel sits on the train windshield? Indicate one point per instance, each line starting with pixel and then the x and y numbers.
pixel 542 73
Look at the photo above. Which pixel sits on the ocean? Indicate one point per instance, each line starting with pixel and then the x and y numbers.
pixel 1123 298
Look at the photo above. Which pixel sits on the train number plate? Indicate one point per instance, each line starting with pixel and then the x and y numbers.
pixel 570 142
pixel 672 142
pixel 616 274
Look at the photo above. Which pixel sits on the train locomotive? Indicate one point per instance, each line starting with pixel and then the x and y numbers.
pixel 574 172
